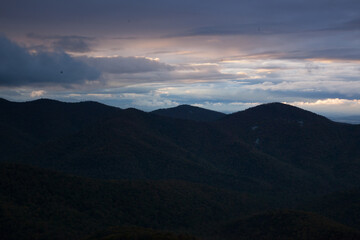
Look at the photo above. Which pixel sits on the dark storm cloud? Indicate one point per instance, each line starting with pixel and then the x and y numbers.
pixel 78 44
pixel 120 65
pixel 72 45
pixel 354 24
pixel 351 25
pixel 340 53
pixel 240 29
pixel 180 17
pixel 316 52
pixel 19 67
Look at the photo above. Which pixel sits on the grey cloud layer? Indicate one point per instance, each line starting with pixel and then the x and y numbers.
pixel 78 44
pixel 19 67
pixel 205 17
pixel 272 25
pixel 120 65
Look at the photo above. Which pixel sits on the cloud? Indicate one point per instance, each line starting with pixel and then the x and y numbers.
pixel 37 93
pixel 330 101
pixel 331 105
pixel 21 68
pixel 76 44
pixel 330 53
pixel 136 17
pixel 237 29
pixel 121 65
pixel 72 44
pixel 259 51
pixel 351 25
pixel 188 73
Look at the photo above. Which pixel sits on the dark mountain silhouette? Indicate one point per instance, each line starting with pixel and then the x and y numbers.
pixel 272 147
pixel 25 125
pixel 46 119
pixel 306 140
pixel 270 156
pixel 138 145
pixel 287 225
pixel 189 112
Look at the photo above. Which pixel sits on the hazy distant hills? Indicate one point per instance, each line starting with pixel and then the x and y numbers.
pixel 190 113
pixel 353 119
pixel 205 167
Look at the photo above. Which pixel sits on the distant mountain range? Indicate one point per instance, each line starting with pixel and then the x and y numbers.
pixel 205 166
pixel 353 119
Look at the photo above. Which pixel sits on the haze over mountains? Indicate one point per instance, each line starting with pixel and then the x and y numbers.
pixel 184 169
pixel 353 119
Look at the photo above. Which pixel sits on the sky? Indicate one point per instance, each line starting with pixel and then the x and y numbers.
pixel 223 55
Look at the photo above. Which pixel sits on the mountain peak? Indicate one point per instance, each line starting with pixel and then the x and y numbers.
pixel 278 111
pixel 189 112
pixel 44 100
pixel 275 106
pixel 3 100
pixel 185 106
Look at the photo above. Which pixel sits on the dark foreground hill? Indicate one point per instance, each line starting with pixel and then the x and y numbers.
pixel 42 204
pixel 341 206
pixel 286 225
pixel 136 233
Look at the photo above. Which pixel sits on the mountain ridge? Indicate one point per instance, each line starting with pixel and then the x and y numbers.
pixel 271 156
pixel 279 110
pixel 242 145
pixel 189 112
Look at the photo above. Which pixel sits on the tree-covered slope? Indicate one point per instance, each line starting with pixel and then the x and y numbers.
pixel 137 233
pixel 42 204
pixel 286 225
pixel 189 112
